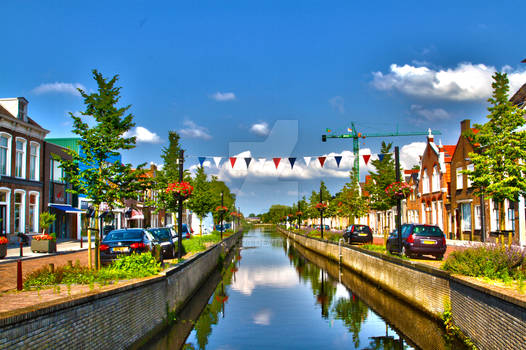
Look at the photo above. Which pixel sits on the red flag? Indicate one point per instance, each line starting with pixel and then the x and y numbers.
pixel 276 161
pixel 366 158
pixel 233 161
pixel 322 160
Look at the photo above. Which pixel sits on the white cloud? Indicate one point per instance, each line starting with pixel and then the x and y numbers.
pixel 143 135
pixel 410 154
pixel 223 96
pixel 262 317
pixel 65 88
pixel 465 82
pixel 249 278
pixel 260 129
pixel 192 130
pixel 430 114
pixel 337 103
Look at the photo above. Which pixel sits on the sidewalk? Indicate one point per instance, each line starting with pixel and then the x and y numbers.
pixel 63 246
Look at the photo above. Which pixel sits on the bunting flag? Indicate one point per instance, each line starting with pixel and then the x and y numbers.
pixel 217 161
pixel 201 161
pixel 338 159
pixel 292 161
pixel 248 160
pixel 366 158
pixel 233 161
pixel 276 161
pixel 322 160
pixel 262 161
pixel 307 160
pixel 381 156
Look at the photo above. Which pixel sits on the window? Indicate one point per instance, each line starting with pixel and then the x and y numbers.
pixel 466 216
pixel 478 214
pixel 425 182
pixel 34 161
pixel 5 154
pixel 511 216
pixel 20 158
pixel 19 211
pixel 5 209
pixel 436 180
pixel 471 167
pixel 495 217
pixel 460 179
pixel 33 212
pixel 57 173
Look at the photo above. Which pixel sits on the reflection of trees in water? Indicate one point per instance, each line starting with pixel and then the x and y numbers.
pixel 353 312
pixel 210 314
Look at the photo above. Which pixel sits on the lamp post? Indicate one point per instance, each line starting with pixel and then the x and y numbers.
pixel 238 217
pixel 222 213
pixel 321 213
pixel 180 209
pixel 398 201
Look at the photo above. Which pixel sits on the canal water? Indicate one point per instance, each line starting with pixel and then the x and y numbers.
pixel 274 294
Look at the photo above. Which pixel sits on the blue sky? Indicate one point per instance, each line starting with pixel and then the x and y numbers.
pixel 224 73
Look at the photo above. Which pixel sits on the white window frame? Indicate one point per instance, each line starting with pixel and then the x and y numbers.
pixel 478 214
pixel 24 157
pixel 425 182
pixel 8 208
pixel 8 155
pixel 460 176
pixel 440 222
pixel 22 227
pixel 37 161
pixel 470 167
pixel 465 225
pixel 435 186
pixel 494 216
pixel 36 219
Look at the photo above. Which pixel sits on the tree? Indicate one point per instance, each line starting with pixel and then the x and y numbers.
pixel 92 172
pixel 500 154
pixel 216 188
pixel 353 204
pixel 201 202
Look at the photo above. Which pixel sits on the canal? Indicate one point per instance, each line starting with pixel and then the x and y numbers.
pixel 274 294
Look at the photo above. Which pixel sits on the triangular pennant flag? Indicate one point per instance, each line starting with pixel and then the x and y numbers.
pixel 338 160
pixel 276 161
pixel 248 160
pixel 217 161
pixel 381 156
pixel 307 160
pixel 292 161
pixel 366 158
pixel 262 161
pixel 322 160
pixel 201 160
pixel 233 161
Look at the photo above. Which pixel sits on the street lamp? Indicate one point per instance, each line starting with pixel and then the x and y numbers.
pixel 180 209
pixel 221 215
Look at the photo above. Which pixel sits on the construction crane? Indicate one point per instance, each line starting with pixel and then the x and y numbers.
pixel 356 136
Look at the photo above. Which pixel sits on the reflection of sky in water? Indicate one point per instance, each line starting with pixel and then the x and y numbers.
pixel 270 307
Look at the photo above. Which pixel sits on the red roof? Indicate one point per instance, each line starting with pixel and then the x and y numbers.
pixel 448 152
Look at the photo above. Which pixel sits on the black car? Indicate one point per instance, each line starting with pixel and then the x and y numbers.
pixel 128 241
pixel 164 236
pixel 358 234
pixel 419 239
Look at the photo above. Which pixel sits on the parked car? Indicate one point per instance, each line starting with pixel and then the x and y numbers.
pixel 358 234
pixel 164 236
pixel 186 233
pixel 128 241
pixel 419 239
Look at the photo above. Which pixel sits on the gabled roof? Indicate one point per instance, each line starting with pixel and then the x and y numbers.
pixel 519 98
pixel 5 112
pixel 449 150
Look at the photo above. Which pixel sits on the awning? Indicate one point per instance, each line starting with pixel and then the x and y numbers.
pixel 136 215
pixel 66 208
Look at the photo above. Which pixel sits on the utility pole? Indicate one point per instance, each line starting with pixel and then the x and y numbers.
pixel 180 210
pixel 222 213
pixel 398 200
pixel 321 212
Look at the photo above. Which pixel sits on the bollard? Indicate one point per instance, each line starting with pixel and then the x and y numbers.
pixel 80 241
pixel 19 284
pixel 70 263
pixel 509 239
pixel 52 268
pixel 21 249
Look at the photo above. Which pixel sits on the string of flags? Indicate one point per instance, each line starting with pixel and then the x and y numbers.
pixel 291 160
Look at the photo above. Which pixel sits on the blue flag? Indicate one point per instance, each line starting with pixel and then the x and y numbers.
pixel 292 161
pixel 248 160
pixel 201 160
pixel 381 156
pixel 338 160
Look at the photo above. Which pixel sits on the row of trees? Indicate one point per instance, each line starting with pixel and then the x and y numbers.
pixel 499 168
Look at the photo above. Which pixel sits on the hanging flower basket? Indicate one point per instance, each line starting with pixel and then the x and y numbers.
pixel 299 213
pixel 3 247
pixel 221 209
pixel 182 189
pixel 398 190
pixel 321 206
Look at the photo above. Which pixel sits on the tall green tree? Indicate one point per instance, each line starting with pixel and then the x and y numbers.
pixel 201 202
pixel 229 199
pixel 90 171
pixel 383 176
pixel 353 204
pixel 500 157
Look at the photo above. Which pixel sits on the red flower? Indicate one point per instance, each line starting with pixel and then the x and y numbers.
pixel 221 209
pixel 182 188
pixel 398 189
pixel 3 240
pixel 43 237
pixel 321 206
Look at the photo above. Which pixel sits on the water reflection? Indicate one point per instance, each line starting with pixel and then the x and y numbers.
pixel 286 297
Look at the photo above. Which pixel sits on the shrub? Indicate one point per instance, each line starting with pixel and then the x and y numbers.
pixel 494 262
pixel 136 265
pixel 197 243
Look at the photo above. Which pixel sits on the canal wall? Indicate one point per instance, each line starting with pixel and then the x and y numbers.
pixel 117 318
pixel 489 318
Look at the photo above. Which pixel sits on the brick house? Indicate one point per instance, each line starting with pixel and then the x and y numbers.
pixel 433 187
pixel 411 204
pixel 21 168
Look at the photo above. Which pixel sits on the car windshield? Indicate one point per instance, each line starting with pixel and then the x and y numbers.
pixel 362 228
pixel 429 231
pixel 122 235
pixel 161 233
pixel 406 230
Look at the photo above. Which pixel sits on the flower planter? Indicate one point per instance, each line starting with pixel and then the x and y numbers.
pixel 43 246
pixel 3 250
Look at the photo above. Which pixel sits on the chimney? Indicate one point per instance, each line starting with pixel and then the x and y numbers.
pixel 464 126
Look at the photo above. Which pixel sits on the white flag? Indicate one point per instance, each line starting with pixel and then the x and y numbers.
pixel 262 161
pixel 307 160
pixel 217 160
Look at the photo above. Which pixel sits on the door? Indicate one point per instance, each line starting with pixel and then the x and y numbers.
pixel 3 210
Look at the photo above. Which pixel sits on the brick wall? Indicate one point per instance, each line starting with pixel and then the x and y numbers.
pixel 491 320
pixel 114 319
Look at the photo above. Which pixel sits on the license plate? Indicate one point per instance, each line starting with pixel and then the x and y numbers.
pixel 429 242
pixel 362 234
pixel 120 249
